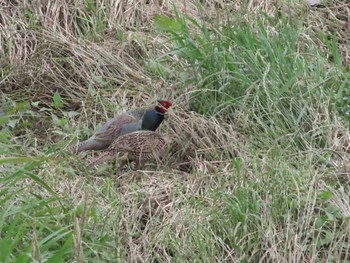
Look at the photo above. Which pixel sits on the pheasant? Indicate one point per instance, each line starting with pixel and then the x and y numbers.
pixel 139 146
pixel 139 119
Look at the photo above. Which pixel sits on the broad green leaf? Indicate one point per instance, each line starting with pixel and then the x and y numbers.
pixel 57 100
pixel 326 195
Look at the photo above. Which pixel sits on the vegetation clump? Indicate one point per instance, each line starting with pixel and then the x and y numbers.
pixel 257 167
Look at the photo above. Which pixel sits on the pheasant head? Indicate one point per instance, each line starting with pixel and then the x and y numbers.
pixel 154 117
pixel 164 106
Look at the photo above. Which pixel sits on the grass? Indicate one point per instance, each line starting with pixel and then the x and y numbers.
pixel 257 166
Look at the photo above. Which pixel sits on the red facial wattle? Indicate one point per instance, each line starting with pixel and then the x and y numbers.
pixel 165 105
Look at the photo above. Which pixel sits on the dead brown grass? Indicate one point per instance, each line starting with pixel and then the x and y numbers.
pixel 330 20
pixel 198 141
pixel 44 53
pixel 55 58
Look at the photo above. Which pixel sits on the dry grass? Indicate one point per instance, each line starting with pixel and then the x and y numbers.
pixel 94 56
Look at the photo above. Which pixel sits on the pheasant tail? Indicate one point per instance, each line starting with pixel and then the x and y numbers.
pixel 105 157
pixel 80 147
pixel 90 144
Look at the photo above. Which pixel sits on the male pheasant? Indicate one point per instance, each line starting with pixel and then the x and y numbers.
pixel 139 146
pixel 139 119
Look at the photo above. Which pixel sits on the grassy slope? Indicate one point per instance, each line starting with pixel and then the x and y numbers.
pixel 258 173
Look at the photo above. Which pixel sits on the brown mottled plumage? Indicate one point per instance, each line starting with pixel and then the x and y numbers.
pixel 139 146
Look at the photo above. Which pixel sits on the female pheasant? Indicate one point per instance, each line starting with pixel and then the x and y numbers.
pixel 139 119
pixel 139 146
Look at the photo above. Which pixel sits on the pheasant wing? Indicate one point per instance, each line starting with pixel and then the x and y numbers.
pixel 112 128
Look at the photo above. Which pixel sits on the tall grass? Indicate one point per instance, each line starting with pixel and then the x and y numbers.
pixel 269 59
pixel 257 165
